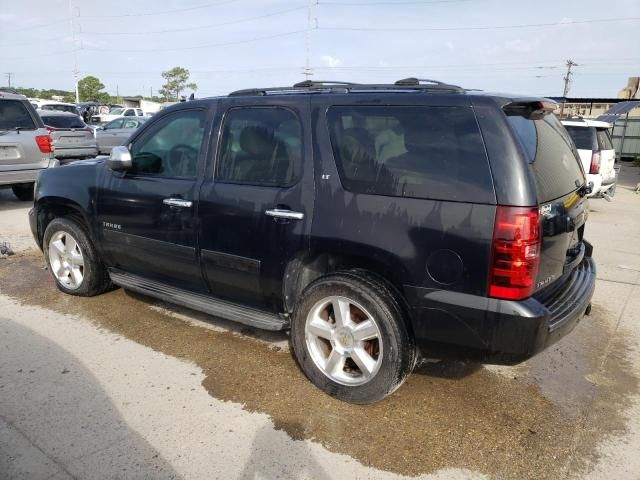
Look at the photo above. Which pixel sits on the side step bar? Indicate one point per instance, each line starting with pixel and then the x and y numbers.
pixel 212 306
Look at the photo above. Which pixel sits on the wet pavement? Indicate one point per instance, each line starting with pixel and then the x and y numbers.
pixel 552 417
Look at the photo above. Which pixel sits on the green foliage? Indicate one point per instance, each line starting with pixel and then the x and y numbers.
pixel 177 80
pixel 91 88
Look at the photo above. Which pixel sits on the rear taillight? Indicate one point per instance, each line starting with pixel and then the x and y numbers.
pixel 515 253
pixel 44 143
pixel 595 162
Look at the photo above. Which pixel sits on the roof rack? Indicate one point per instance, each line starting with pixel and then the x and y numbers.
pixel 324 86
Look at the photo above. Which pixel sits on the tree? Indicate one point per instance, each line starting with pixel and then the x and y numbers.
pixel 177 79
pixel 90 88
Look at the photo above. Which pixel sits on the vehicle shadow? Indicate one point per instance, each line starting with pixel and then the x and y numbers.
pixel 270 444
pixel 8 201
pixel 57 421
pixel 446 369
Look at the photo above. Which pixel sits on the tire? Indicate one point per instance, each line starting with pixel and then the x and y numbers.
pixel 64 239
pixel 23 191
pixel 320 342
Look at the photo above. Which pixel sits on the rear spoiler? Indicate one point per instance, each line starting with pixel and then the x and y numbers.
pixel 531 109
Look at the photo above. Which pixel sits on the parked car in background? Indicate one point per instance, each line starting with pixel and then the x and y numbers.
pixel 598 157
pixel 59 107
pixel 117 113
pixel 116 132
pixel 72 138
pixel 374 221
pixel 26 148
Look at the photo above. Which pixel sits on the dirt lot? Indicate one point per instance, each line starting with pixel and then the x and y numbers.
pixel 124 386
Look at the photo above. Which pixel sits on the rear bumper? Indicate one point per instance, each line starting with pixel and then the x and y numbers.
pixel 19 176
pixel 451 324
pixel 76 152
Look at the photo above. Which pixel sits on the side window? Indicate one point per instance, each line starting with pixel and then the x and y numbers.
pixel 129 113
pixel 411 151
pixel 115 124
pixel 172 147
pixel 604 140
pixel 260 146
pixel 130 124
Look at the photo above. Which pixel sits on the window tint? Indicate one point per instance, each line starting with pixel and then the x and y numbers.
pixel 260 146
pixel 423 152
pixel 13 114
pixel 129 113
pixel 604 140
pixel 554 160
pixel 60 121
pixel 583 137
pixel 114 124
pixel 172 148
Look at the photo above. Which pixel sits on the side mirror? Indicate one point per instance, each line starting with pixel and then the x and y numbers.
pixel 120 159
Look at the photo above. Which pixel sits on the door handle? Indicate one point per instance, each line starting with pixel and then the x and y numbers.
pixel 281 213
pixel 177 202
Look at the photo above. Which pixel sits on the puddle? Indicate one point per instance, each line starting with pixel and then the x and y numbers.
pixel 447 415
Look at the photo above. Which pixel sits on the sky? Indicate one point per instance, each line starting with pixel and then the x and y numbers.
pixel 498 45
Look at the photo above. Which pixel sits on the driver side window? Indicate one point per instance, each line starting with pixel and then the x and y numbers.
pixel 172 148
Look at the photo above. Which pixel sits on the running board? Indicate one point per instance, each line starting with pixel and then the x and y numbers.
pixel 213 306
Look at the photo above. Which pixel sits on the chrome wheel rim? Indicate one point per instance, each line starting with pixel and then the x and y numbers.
pixel 344 341
pixel 66 260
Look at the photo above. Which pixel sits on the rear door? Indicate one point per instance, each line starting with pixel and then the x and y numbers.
pixel 19 127
pixel 256 208
pixel 607 155
pixel 556 168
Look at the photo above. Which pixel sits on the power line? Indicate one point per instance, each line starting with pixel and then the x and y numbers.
pixel 483 27
pixel 189 29
pixel 149 14
pixel 194 47
pixel 55 22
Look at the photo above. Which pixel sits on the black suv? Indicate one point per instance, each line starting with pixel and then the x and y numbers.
pixel 374 221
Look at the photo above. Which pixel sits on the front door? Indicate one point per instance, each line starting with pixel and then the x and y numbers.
pixel 147 216
pixel 256 211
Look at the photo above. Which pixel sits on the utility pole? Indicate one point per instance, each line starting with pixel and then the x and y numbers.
pixel 9 75
pixel 75 52
pixel 567 80
pixel 311 22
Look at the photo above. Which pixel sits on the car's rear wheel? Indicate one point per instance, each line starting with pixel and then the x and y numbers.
pixel 350 337
pixel 73 260
pixel 23 191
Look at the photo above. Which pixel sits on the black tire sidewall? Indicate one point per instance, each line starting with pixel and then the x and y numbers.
pixel 397 359
pixel 93 271
pixel 23 191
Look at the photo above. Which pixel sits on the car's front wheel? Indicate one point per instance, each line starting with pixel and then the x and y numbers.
pixel 73 260
pixel 350 337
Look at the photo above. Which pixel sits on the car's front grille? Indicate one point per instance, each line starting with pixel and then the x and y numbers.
pixel 561 300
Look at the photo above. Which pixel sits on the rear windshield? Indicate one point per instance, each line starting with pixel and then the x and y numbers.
pixel 583 137
pixel 60 108
pixel 59 121
pixel 14 114
pixel 409 151
pixel 554 161
pixel 604 140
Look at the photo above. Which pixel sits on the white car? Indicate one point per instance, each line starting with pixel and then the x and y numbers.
pixel 593 141
pixel 117 113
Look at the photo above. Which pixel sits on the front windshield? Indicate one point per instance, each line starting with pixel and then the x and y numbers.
pixel 116 111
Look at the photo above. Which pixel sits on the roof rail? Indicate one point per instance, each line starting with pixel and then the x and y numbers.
pixel 320 86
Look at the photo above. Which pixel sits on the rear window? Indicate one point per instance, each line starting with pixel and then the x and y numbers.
pixel 555 163
pixel 583 137
pixel 14 114
pixel 410 151
pixel 59 121
pixel 604 140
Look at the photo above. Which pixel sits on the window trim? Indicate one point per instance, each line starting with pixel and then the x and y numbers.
pixel 218 157
pixel 153 128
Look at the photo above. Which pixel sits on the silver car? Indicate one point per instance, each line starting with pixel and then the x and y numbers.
pixel 116 132
pixel 72 138
pixel 25 145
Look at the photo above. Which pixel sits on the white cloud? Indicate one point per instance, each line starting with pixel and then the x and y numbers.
pixel 330 61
